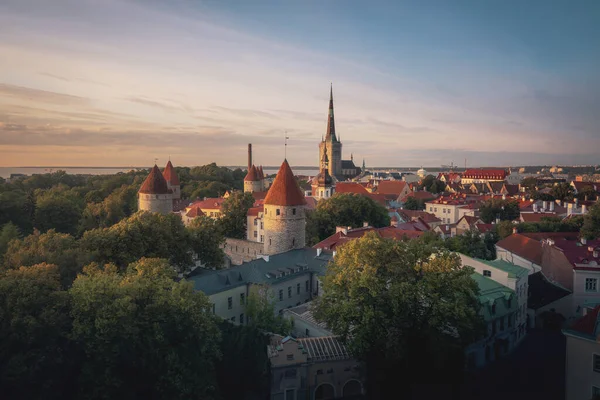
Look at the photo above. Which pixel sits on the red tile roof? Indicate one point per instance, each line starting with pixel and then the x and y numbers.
pixel 194 212
pixel 420 195
pixel 469 220
pixel 415 225
pixel 537 217
pixel 311 203
pixel 499 174
pixel 252 175
pixel 170 174
pixel 551 235
pixel 524 247
pixel 285 190
pixel 261 174
pixel 259 195
pixel 578 253
pixel 484 228
pixel 580 185
pixel 336 240
pixel 425 216
pixel 209 203
pixel 587 324
pixel 254 211
pixel 350 187
pixel 391 187
pixel 155 183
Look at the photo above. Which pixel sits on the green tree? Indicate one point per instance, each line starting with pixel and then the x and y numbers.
pixel 55 248
pixel 413 203
pixel 120 204
pixel 562 191
pixel 57 211
pixel 206 240
pixel 243 357
pixel 36 358
pixel 505 210
pixel 504 229
pixel 8 232
pixel 587 193
pixel 473 245
pixel 234 214
pixel 345 209
pixel 401 306
pixel 530 184
pixel 13 209
pixel 144 234
pixel 432 185
pixel 591 223
pixel 260 310
pixel 143 335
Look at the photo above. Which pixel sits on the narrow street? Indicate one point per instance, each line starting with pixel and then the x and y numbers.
pixel 535 370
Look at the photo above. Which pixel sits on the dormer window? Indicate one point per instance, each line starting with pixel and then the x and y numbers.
pixel 487 273
pixel 493 309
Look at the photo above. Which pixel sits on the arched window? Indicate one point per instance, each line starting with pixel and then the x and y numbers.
pixel 324 391
pixel 352 388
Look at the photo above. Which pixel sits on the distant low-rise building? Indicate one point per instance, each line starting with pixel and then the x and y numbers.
pixel 483 175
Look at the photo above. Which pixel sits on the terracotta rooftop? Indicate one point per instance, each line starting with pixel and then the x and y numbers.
pixel 254 211
pixel 420 195
pixel 537 217
pixel 469 219
pixel 155 183
pixel 485 174
pixel 194 212
pixel 524 247
pixel 259 195
pixel 209 203
pixel 337 239
pixel 170 174
pixel 580 255
pixel 391 187
pixel 261 174
pixel 587 324
pixel 425 216
pixel 285 190
pixel 350 187
pixel 252 175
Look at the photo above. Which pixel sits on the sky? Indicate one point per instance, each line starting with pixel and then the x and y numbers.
pixel 427 82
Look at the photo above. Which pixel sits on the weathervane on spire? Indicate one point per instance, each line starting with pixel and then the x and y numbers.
pixel 285 145
pixel 155 160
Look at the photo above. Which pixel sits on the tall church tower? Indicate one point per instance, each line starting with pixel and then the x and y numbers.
pixel 331 145
pixel 322 186
pixel 284 218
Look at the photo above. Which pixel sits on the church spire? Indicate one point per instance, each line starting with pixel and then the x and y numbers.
pixel 330 137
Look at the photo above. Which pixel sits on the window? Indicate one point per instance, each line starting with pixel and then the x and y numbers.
pixel 232 319
pixel 290 357
pixel 277 212
pixel 509 303
pixel 591 284
pixel 255 221
pixel 510 318
pixel 319 372
pixel 493 328
pixel 229 303
pixel 262 238
pixel 595 392
pixel 493 309
pixel 242 298
pixel 435 209
pixel 307 332
pixel 289 292
pixel 443 211
pixel 298 288
pixel 501 324
pixel 269 242
pixel 261 225
pixel 487 273
pixel 280 294
pixel 293 242
pixel 255 234
pixel 242 319
pixel 290 373
pixel 306 284
pixel 430 209
pixel 214 308
pixel 293 211
pixel 596 363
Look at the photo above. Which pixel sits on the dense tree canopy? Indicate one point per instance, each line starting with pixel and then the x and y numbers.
pixel 432 184
pixel 206 240
pixel 344 209
pixel 471 243
pixel 591 223
pixel 404 308
pixel 562 191
pixel 234 214
pixel 260 311
pixel 505 210
pixel 413 203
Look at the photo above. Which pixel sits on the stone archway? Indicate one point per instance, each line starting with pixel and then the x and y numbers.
pixel 324 391
pixel 352 388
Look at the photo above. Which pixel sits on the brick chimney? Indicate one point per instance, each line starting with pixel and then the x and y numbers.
pixel 249 156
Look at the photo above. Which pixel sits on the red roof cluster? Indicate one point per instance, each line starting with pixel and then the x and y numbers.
pixel 170 174
pixel 285 190
pixel 350 187
pixel 254 211
pixel 499 174
pixel 580 254
pixel 194 212
pixel 414 214
pixel 587 323
pixel 252 175
pixel 209 203
pixel 523 246
pixel 391 187
pixel 537 216
pixel 155 183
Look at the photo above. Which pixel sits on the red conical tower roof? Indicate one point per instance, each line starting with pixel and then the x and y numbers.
pixel 261 173
pixel 170 174
pixel 155 183
pixel 252 174
pixel 285 190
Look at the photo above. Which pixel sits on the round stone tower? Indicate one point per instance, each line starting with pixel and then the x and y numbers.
pixel 252 181
pixel 155 195
pixel 172 179
pixel 285 220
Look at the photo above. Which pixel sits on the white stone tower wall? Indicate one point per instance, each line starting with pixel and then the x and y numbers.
pixel 285 231
pixel 253 186
pixel 176 191
pixel 161 203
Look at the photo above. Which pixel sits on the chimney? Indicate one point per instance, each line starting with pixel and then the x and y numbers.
pixel 249 156
pixel 535 208
pixel 544 205
pixel 583 208
pixel 342 229
pixel 365 224
pixel 590 248
pixel 319 250
pixel 514 230
pixel 550 242
pixel 551 206
pixel 334 253
pixel 595 253
pixel 503 196
pixel 576 200
pixel 583 240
